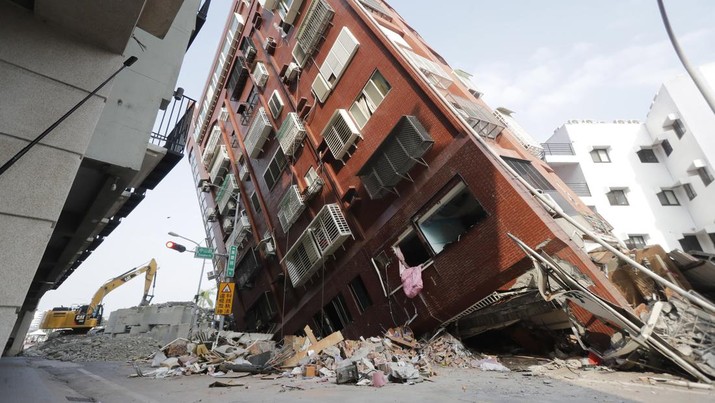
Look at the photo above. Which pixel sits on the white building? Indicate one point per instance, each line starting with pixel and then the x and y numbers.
pixel 652 181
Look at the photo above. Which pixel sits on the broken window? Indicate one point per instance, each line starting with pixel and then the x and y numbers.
pixel 690 242
pixel 647 155
pixel 359 292
pixel 451 217
pixel 667 198
pixel 636 242
pixel 667 148
pixel 529 173
pixel 617 197
pixel 413 249
pixel 333 317
pixel 689 191
pixel 600 155
pixel 705 175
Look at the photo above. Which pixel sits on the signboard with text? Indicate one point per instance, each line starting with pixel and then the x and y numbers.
pixel 202 252
pixel 231 266
pixel 224 298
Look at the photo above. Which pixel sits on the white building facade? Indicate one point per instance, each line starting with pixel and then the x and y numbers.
pixel 652 181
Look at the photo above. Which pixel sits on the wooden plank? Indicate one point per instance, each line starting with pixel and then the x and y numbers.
pixel 331 340
pixel 309 332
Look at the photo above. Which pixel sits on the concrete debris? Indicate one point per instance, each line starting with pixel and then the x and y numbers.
pixel 81 348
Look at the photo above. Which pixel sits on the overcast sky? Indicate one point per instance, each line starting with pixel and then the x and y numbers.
pixel 550 61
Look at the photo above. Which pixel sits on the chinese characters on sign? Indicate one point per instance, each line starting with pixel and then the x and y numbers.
pixel 224 298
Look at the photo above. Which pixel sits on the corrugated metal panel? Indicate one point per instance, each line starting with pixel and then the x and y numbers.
pixel 394 158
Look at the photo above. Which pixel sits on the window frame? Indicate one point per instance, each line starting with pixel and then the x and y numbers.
pixel 597 157
pixel 667 147
pixel 275 95
pixel 689 191
pixel 705 175
pixel 255 203
pixel 362 303
pixel 275 179
pixel 636 244
pixel 647 156
pixel 613 201
pixel 368 101
pixel 667 197
pixel 679 128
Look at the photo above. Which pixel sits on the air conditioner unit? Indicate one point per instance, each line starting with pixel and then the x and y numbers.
pixel 260 74
pixel 291 72
pixel 223 116
pixel 211 215
pixel 321 88
pixel 227 224
pixel 340 134
pixel 291 134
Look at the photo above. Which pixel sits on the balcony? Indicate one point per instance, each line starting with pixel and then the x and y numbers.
pixel 559 153
pixel 581 189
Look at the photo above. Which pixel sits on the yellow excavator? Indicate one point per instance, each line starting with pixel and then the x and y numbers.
pixel 84 317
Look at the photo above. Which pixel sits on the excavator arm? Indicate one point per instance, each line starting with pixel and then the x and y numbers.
pixel 121 279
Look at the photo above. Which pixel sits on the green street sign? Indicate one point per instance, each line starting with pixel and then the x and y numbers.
pixel 232 252
pixel 203 253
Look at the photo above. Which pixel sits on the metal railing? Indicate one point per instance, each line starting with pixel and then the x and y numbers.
pixel 179 114
pixel 580 188
pixel 558 149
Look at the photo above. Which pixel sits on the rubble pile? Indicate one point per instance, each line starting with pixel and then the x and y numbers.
pixel 396 357
pixel 79 347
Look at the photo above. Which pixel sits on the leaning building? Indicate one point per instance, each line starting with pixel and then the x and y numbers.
pixel 331 139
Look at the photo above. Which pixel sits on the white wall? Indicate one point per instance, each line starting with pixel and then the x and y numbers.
pixel 123 130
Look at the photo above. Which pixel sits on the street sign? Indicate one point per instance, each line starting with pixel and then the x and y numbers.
pixel 203 253
pixel 224 298
pixel 231 266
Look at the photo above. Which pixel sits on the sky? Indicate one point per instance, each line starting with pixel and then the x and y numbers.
pixel 549 61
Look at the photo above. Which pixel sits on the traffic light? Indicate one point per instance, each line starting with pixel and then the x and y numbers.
pixel 175 246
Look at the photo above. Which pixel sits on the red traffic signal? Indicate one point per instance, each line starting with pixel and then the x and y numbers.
pixel 175 246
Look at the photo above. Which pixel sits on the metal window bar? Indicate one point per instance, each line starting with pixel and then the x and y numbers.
pixel 291 134
pixel 290 207
pixel 311 29
pixel 558 149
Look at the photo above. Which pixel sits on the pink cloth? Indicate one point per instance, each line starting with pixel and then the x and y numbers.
pixel 411 276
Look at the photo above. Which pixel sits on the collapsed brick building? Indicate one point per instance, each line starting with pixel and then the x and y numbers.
pixel 330 133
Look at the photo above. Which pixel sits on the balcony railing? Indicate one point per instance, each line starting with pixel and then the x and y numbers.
pixel 580 188
pixel 174 124
pixel 558 149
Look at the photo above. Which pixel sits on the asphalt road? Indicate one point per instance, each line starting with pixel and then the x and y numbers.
pixel 37 380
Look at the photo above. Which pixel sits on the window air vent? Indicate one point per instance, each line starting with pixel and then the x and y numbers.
pixel 340 134
pixel 324 235
pixel 290 207
pixel 311 30
pixel 219 166
pixel 291 134
pixel 260 74
pixel 257 133
pixel 391 162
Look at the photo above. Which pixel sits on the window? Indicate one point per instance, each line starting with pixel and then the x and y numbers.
pixel 705 175
pixel 529 173
pixel 275 168
pixel 690 242
pixel 617 197
pixel 636 242
pixel 333 317
pixel 689 191
pixel 359 292
pixel 667 198
pixel 667 148
pixel 451 217
pixel 646 155
pixel 275 104
pixel 310 176
pixel 413 249
pixel 679 128
pixel 369 99
pixel 600 155
pixel 254 202
pixel 339 56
